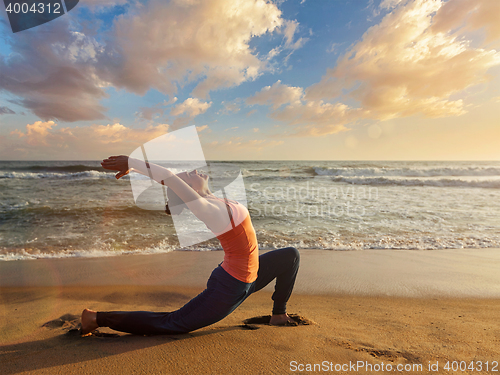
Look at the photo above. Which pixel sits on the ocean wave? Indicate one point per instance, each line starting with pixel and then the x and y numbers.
pixel 408 172
pixel 14 206
pixel 24 254
pixel 28 208
pixel 162 247
pixel 274 240
pixel 442 182
pixel 313 171
pixel 279 177
pixel 90 174
pixel 54 168
pixel 271 242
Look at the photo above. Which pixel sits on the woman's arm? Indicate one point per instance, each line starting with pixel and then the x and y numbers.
pixel 201 207
pixel 156 172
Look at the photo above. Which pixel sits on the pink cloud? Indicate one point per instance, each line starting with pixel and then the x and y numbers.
pixel 43 140
pixel 412 63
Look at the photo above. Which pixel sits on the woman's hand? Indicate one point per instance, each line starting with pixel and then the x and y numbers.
pixel 117 163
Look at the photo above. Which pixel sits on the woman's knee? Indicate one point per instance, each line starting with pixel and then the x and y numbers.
pixel 293 254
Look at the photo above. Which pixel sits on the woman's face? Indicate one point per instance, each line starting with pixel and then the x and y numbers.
pixel 198 181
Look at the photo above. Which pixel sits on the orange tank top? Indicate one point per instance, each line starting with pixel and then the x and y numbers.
pixel 239 242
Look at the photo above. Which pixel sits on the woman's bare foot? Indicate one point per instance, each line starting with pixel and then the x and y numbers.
pixel 281 320
pixel 89 322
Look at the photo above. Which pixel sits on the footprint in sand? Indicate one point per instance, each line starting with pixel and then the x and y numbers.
pixel 390 354
pixel 66 322
pixel 264 319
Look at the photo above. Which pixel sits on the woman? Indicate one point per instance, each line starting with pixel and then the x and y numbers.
pixel 241 273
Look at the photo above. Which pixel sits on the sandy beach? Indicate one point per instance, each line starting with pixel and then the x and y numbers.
pixel 370 312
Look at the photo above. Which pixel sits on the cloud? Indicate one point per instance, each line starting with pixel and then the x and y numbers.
pixel 409 64
pixel 154 112
pixel 238 145
pixel 36 133
pixel 276 95
pixel 201 128
pixel 170 101
pixel 45 140
pixel 313 118
pixel 289 34
pixel 192 107
pixel 390 4
pixel 81 49
pixel 6 111
pixel 60 73
pixel 101 3
pixel 317 118
pixel 232 107
pixel 189 41
pixel 50 72
pixel 332 47
pixel 147 113
pixel 477 14
pixel 289 30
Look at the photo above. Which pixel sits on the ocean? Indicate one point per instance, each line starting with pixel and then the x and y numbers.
pixel 55 209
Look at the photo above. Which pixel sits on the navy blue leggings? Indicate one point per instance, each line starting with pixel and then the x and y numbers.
pixel 223 295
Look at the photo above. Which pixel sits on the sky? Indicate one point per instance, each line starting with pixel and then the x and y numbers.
pixel 261 80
